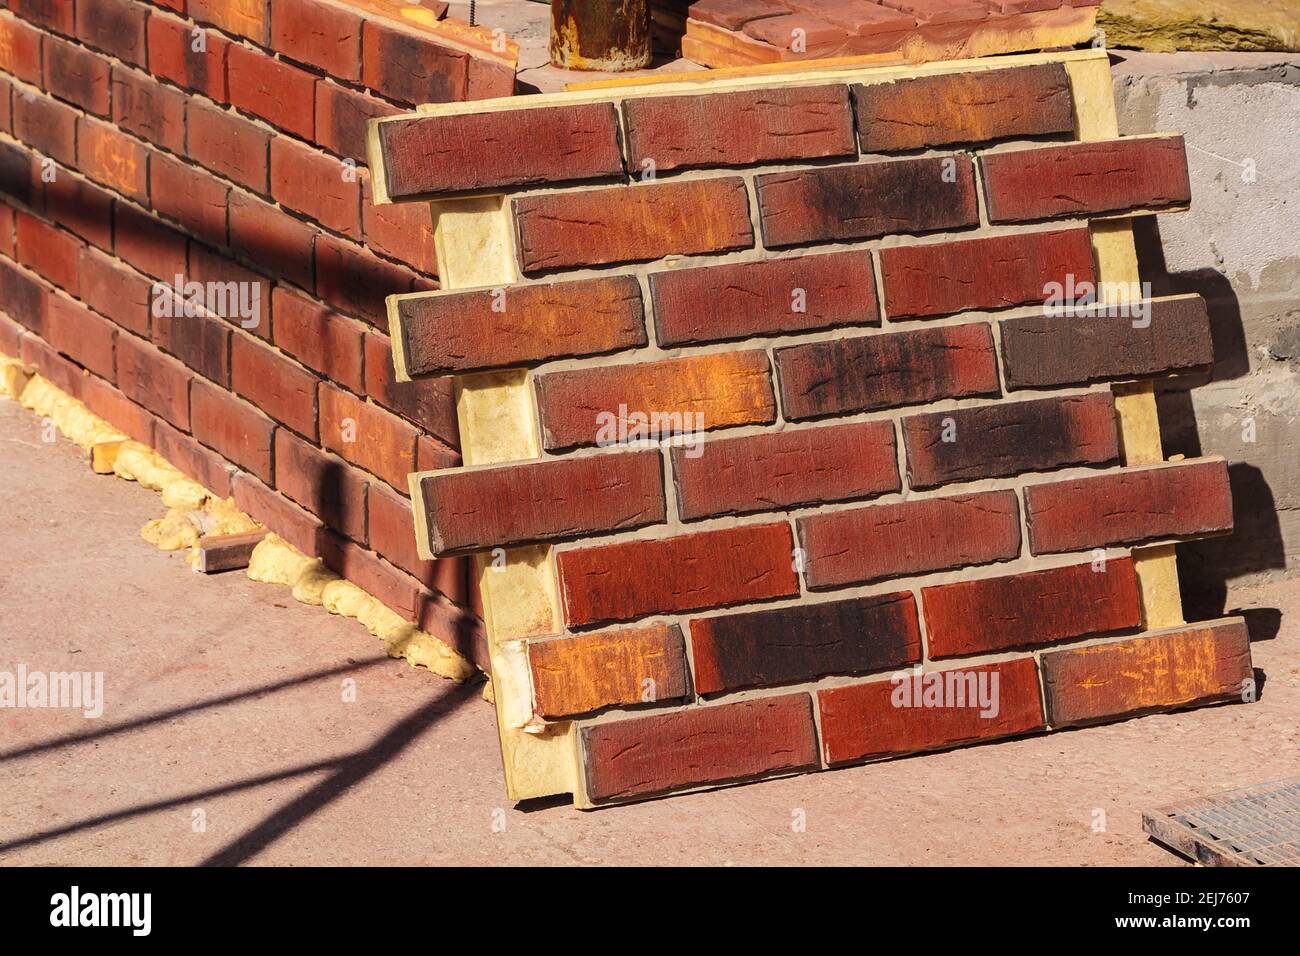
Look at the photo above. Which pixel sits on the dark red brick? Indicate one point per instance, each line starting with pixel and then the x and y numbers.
pixel 328 37
pixel 19 175
pixel 47 125
pixel 278 92
pixel 81 335
pixel 582 673
pixel 55 15
pixel 274 384
pixel 355 281
pixel 115 26
pixel 391 528
pixel 199 340
pixel 159 383
pixel 22 297
pixel 20 49
pixel 228 144
pixel 394 589
pixel 81 206
pixel 366 435
pixel 402 231
pixel 50 252
pixel 408 66
pixel 316 184
pixel 237 430
pixel 300 528
pixel 200 464
pixel 65 375
pixel 190 195
pixel 149 245
pixel 75 74
pixel 238 295
pixel 323 484
pixel 149 109
pixel 320 339
pixel 341 117
pixel 115 290
pixel 119 411
pixel 172 56
pixel 270 237
pixel 429 403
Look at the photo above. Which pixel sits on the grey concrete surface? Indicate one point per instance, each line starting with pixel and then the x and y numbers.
pixel 224 704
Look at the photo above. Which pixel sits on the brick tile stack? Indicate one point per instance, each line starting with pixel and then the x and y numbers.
pixel 224 142
pixel 909 462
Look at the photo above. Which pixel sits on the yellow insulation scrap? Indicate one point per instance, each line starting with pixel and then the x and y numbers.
pixel 77 422
pixel 275 561
pixel 13 377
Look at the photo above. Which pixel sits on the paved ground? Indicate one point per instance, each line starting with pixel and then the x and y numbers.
pixel 224 704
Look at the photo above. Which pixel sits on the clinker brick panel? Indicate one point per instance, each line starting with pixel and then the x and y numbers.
pixel 698 745
pixel 1129 507
pixel 274 384
pixel 149 109
pixel 588 672
pixel 796 467
pixel 947 277
pixel 862 721
pixel 912 537
pixel 1040 351
pixel 75 74
pixel 869 372
pixel 278 92
pixel 234 428
pixel 866 200
pixel 116 26
pixel 1010 438
pixel 317 184
pixel 619 582
pixel 173 57
pixel 771 297
pixel 1086 178
pixel 632 223
pixel 455 332
pixel 159 383
pixel 322 484
pixel 739 128
pixel 228 144
pixel 805 642
pixel 324 35
pixel 426 154
pixel 989 615
pixel 366 435
pixel 1164 670
pixel 973 107
pixel 693 394
pixel 483 508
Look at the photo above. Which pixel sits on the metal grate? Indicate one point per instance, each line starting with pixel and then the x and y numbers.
pixel 1254 826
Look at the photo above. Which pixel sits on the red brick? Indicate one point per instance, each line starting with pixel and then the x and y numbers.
pixel 199 340
pixel 320 339
pixel 429 403
pixel 172 56
pixel 18 175
pixel 453 332
pixel 864 373
pixel 317 184
pixel 733 14
pixel 200 464
pixel 22 297
pixel 276 91
pixel 393 588
pixel 862 721
pixel 7 230
pixel 1164 670
pixel 47 125
pixel 66 376
pixel 619 582
pixel 327 37
pixel 341 117
pixel 401 230
pixel 866 200
pixel 391 527
pixel 274 384
pixel 355 281
pixel 943 278
pixel 114 159
pixel 483 508
pixel 250 292
pixel 6 107
pixel 159 383
pixel 1188 499
pixel 114 290
pixel 366 435
pixel 489 78
pixel 632 223
pixel 456 627
pixel 48 251
pixel 819 38
pixel 601 405
pixel 941 11
pixel 190 195
pixel 228 144
pixel 1077 346
pixel 1148 172
pixel 991 441
pixel 326 486
pixel 81 206
pixel 583 673
pixel 52 14
pixel 770 297
pixel 75 74
pixel 298 527
pixel 785 469
pixel 910 537
pixel 989 615
pixel 20 49
pixel 119 411
pixel 267 235
pixel 115 26
pixel 739 128
pixel 237 430
pixel 245 18
pixel 698 745
pixel 11 335
pixel 409 67
pixel 147 244
pixel 433 455
pixel 973 107
pixel 149 109
pixel 81 335
pixel 805 642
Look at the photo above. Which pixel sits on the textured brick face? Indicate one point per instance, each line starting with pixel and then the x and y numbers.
pixel 913 537
pixel 1010 438
pixel 618 582
pixel 866 200
pixel 517 504
pixel 589 672
pixel 734 129
pixel 1165 670
pixel 690 394
pixel 1039 351
pixel 272 89
pixel 883 371
pixel 75 74
pixel 804 466
pixel 699 745
pixel 1083 178
pixel 325 36
pixel 511 148
pixel 366 435
pixel 237 430
pixel 989 615
pixel 632 223
pixel 805 642
pixel 1129 507
pixel 862 721
pixel 964 108
pixel 948 277
pixel 469 331
pixel 771 297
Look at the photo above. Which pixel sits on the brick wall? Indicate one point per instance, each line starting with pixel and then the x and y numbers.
pixel 224 142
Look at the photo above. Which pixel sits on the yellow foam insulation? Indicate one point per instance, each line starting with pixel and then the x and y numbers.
pixel 194 512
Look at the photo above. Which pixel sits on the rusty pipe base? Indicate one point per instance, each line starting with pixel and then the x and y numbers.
pixel 610 35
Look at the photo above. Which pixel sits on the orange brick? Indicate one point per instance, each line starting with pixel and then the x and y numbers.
pixel 588 672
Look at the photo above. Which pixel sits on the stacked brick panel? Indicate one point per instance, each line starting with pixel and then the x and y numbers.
pixel 186 251
pixel 831 465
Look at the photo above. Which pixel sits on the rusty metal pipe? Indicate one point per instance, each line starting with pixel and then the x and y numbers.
pixel 611 35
